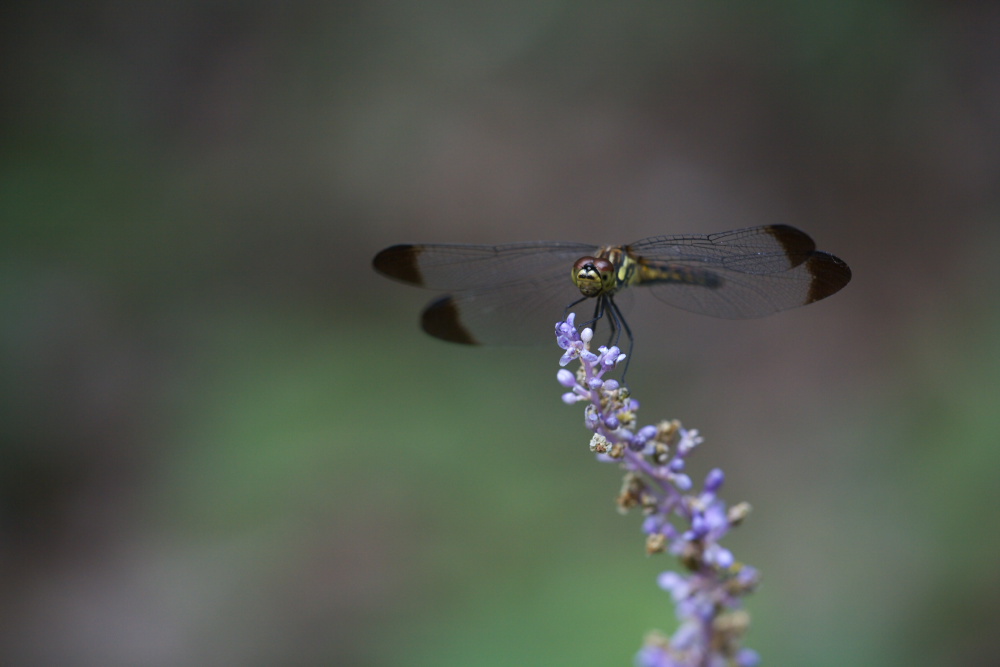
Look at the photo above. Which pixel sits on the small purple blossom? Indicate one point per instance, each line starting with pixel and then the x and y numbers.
pixel 566 378
pixel 714 480
pixel 688 524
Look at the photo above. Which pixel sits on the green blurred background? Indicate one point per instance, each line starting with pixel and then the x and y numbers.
pixel 225 440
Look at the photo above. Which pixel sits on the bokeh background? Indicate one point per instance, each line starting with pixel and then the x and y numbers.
pixel 225 440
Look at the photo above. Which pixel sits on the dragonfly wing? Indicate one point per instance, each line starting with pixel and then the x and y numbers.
pixel 757 250
pixel 456 267
pixel 736 294
pixel 522 312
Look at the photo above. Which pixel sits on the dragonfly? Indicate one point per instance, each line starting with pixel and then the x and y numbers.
pixel 513 293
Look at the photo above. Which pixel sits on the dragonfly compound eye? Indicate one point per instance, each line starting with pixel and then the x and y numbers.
pixel 593 275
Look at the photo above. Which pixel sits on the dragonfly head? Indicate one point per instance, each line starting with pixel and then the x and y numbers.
pixel 594 276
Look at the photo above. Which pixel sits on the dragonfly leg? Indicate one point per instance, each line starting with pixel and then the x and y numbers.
pixel 598 313
pixel 615 320
pixel 613 323
pixel 616 317
pixel 566 309
pixel 606 306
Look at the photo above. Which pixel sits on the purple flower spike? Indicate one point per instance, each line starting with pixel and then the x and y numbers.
pixel 707 591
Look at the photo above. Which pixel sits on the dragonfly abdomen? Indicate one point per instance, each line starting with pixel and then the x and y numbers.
pixel 650 274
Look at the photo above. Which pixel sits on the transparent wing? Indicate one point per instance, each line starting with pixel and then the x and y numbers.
pixel 740 274
pixel 739 294
pixel 507 294
pixel 456 267
pixel 757 250
pixel 519 312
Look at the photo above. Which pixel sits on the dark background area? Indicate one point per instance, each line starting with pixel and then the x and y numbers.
pixel 224 440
